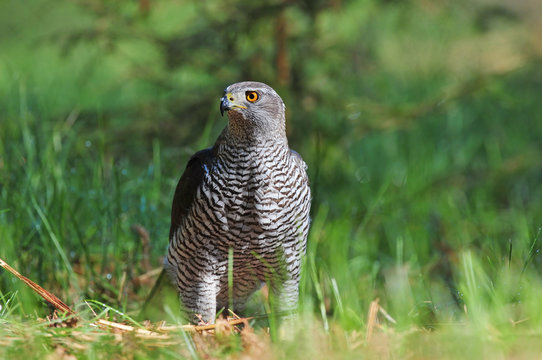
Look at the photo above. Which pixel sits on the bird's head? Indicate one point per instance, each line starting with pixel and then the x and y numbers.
pixel 253 108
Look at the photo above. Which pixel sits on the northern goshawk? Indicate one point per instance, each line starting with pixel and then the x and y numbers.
pixel 246 199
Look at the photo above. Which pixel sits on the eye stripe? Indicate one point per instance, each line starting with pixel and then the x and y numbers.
pixel 251 96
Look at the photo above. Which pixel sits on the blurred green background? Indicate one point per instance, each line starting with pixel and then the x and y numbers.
pixel 420 121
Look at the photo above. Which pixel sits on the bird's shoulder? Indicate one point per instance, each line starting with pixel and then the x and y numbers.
pixel 187 187
pixel 298 159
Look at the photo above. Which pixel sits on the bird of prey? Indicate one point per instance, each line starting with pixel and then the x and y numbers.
pixel 240 211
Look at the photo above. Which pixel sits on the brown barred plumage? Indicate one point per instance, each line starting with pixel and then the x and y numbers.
pixel 249 193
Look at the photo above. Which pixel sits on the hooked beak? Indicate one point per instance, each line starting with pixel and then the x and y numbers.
pixel 227 103
pixel 224 105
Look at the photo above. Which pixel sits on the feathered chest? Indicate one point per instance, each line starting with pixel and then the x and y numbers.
pixel 250 180
pixel 253 192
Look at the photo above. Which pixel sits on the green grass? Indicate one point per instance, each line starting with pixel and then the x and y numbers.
pixel 421 125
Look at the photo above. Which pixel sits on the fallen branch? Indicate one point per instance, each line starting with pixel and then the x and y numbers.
pixel 49 297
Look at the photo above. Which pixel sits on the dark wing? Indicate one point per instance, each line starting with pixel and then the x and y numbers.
pixel 165 292
pixel 188 185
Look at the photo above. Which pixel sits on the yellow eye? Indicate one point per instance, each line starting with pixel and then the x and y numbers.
pixel 251 96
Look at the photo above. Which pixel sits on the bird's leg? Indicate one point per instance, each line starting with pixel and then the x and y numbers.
pixel 282 276
pixel 283 298
pixel 199 300
pixel 284 295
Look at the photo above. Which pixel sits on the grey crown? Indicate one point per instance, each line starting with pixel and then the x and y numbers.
pixel 248 193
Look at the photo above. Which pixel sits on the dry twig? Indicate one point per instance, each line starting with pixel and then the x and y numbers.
pixel 49 297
